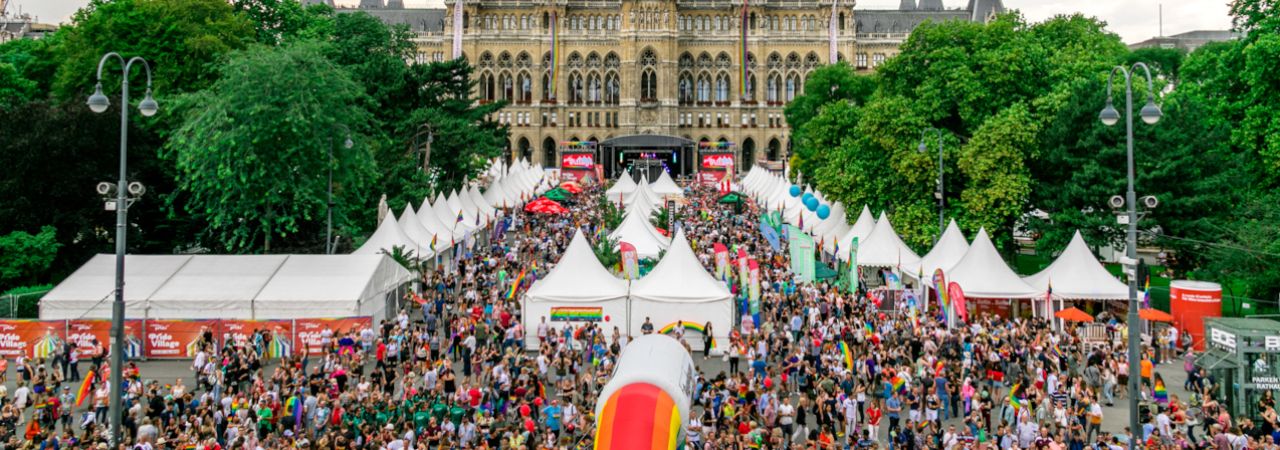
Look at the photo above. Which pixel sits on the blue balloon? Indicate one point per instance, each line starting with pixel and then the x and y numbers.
pixel 824 212
pixel 795 191
pixel 812 204
pixel 805 198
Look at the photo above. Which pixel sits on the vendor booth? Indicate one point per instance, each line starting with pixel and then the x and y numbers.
pixel 982 283
pixel 578 290
pixel 1243 354
pixel 679 292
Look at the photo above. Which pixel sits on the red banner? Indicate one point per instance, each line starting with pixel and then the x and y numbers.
pixel 83 332
pixel 308 333
pixel 278 344
pixel 956 296
pixel 719 161
pixel 31 338
pixel 176 338
pixel 581 161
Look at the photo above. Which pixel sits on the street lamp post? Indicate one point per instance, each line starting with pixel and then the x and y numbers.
pixel 1109 116
pixel 941 192
pixel 98 103
pixel 328 229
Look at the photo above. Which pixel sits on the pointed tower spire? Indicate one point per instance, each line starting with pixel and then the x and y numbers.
pixel 907 5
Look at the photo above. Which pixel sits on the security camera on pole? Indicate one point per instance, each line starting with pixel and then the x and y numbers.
pixel 98 103
pixel 1109 116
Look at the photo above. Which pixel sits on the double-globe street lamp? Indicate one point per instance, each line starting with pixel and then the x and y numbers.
pixel 1109 116
pixel 941 192
pixel 98 103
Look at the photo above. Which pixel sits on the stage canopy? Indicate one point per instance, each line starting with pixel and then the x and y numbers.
pixel 884 248
pixel 981 273
pixel 680 289
pixel 231 287
pixel 1077 275
pixel 636 230
pixel 578 289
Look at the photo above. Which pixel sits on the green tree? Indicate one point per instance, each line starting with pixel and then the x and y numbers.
pixel 279 21
pixel 25 257
pixel 14 88
pixel 828 84
pixel 251 152
pixel 182 39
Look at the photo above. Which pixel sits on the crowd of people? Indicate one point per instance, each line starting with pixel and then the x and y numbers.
pixel 819 368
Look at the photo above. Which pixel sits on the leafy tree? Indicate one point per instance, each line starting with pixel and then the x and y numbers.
pixel 828 84
pixel 1164 62
pixel 610 215
pixel 14 88
pixel 661 217
pixel 606 251
pixel 33 60
pixel 252 150
pixel 24 257
pixel 182 39
pixel 279 21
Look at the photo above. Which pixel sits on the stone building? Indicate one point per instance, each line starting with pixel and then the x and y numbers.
pixel 596 70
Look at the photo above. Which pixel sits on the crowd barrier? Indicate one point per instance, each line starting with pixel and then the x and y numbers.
pixel 167 339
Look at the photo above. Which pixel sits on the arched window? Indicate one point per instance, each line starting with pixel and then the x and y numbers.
pixel 548 90
pixel 722 87
pixel 649 75
pixel 774 88
pixel 704 88
pixel 685 95
pixel 576 88
pixel 749 90
pixel 507 86
pixel 793 85
pixel 526 87
pixel 487 86
pixel 594 88
pixel 612 88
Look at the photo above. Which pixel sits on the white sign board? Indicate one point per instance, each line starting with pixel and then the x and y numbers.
pixel 1222 339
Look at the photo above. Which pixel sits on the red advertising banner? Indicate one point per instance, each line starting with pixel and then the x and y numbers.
pixel 956 296
pixel 83 332
pixel 31 338
pixel 175 338
pixel 580 161
pixel 719 161
pixel 308 333
pixel 279 343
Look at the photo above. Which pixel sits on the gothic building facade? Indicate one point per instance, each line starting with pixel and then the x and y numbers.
pixel 594 70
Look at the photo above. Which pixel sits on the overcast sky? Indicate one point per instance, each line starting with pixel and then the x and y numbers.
pixel 1133 20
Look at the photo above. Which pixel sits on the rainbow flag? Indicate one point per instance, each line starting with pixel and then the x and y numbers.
pixel 899 384
pixel 515 285
pixel 1160 393
pixel 691 326
pixel 846 354
pixel 1014 401
pixel 85 386
pixel 869 330
pixel 742 52
pixel 939 368
pixel 555 53
pixel 577 314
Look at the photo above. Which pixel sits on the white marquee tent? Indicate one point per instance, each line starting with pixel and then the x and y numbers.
pixel 231 286
pixel 664 186
pixel 636 230
pixel 982 273
pixel 945 254
pixel 576 281
pixel 621 188
pixel 1077 275
pixel 387 236
pixel 680 289
pixel 884 248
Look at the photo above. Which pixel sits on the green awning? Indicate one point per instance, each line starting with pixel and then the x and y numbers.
pixel 557 194
pixel 822 271
pixel 732 197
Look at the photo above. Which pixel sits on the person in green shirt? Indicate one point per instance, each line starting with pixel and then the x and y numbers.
pixel 439 410
pixel 264 422
pixel 456 413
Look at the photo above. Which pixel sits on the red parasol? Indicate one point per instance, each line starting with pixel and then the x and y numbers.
pixel 545 206
pixel 572 186
pixel 1155 315
pixel 1074 315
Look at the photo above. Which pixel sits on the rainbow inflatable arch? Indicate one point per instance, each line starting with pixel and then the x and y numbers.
pixel 691 326
pixel 646 403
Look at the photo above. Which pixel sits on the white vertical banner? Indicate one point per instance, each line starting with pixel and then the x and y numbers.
pixel 457 29
pixel 831 31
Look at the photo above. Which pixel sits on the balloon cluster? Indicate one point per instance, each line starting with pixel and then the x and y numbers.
pixel 811 202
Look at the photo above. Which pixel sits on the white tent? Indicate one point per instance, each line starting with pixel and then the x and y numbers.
pixel 462 204
pixel 680 289
pixel 450 218
pixel 643 200
pixel 416 232
pixel 578 282
pixel 636 230
pixel 834 227
pixel 481 204
pixel 861 229
pixel 982 273
pixel 387 236
pixel 1077 274
pixel 496 193
pixel 231 286
pixel 89 291
pixel 445 237
pixel 664 186
pixel 621 188
pixel 945 254
pixel 884 248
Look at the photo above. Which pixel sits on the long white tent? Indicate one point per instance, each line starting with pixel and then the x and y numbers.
pixel 231 286
pixel 1077 275
pixel 576 290
pixel 679 289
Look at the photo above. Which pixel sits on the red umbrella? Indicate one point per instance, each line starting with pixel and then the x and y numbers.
pixel 545 206
pixel 1074 315
pixel 572 186
pixel 1155 315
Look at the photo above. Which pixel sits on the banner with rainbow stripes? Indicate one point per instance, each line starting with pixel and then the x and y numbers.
pixel 577 314
pixel 691 326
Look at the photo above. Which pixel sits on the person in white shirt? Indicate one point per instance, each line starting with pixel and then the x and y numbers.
pixel 1163 423
pixel 1028 432
pixel 949 438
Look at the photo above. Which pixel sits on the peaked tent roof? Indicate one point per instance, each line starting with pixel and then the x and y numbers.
pixel 982 273
pixel 950 248
pixel 387 236
pixel 884 248
pixel 679 278
pixel 664 185
pixel 636 230
pixel 427 217
pixel 416 232
pixel 578 278
pixel 1077 274
pixel 623 186
pixel 861 229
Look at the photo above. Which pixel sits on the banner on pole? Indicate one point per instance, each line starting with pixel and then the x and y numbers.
pixel 753 290
pixel 956 296
pixel 82 332
pixel 722 261
pixel 802 246
pixel 630 261
pixel 854 279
